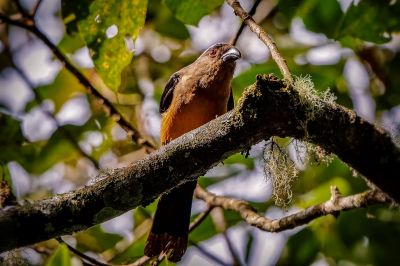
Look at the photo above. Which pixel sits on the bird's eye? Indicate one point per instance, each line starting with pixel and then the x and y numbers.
pixel 213 53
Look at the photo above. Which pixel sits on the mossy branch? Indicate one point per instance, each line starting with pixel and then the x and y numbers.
pixel 334 205
pixel 268 108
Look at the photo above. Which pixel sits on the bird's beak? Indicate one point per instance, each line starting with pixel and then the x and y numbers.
pixel 231 55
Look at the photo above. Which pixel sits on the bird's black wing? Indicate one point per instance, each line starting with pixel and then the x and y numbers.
pixel 231 102
pixel 168 93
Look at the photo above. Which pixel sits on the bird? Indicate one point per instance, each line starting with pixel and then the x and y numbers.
pixel 193 96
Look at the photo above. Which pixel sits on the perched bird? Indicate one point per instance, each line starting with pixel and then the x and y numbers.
pixel 192 97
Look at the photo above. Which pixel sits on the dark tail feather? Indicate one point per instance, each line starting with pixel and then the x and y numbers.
pixel 170 229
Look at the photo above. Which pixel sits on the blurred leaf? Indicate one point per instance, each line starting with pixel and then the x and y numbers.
pixel 64 87
pixel 318 16
pixel 322 192
pixel 70 43
pixel 248 77
pixel 13 144
pixel 239 158
pixel 60 257
pixel 204 231
pixel 132 253
pixel 165 22
pixel 170 26
pixel 301 249
pixel 61 145
pixel 207 228
pixel 191 11
pixel 321 16
pixel 323 76
pixel 141 214
pixel 57 149
pixel 370 20
pixel 109 29
pixel 95 239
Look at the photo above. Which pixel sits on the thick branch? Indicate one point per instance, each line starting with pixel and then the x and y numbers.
pixel 266 108
pixel 263 36
pixel 250 215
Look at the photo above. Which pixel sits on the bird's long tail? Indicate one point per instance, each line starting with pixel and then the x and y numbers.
pixel 169 233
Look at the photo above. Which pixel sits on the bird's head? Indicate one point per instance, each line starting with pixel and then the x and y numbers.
pixel 221 54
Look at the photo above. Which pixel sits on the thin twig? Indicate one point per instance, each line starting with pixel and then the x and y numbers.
pixel 35 8
pixel 264 37
pixel 208 254
pixel 109 107
pixel 199 219
pixel 336 204
pixel 251 13
pixel 235 257
pixel 82 255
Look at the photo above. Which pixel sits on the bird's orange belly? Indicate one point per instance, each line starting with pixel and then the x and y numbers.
pixel 181 119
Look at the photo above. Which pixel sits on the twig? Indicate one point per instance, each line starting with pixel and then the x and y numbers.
pixel 264 37
pixel 35 8
pixel 336 204
pixel 208 254
pixel 251 13
pixel 82 255
pixel 109 107
pixel 199 219
pixel 235 257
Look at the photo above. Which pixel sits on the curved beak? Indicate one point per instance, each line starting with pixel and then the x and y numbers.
pixel 231 55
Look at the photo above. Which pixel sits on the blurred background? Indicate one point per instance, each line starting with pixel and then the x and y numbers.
pixel 56 137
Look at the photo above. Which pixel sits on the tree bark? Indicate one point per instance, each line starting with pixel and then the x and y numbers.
pixel 267 108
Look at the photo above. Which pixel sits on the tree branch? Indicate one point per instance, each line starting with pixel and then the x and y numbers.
pixel 263 36
pixel 336 204
pixel 267 108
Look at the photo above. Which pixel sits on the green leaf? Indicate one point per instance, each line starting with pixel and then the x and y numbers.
pixel 96 240
pixel 318 16
pixel 60 257
pixel 132 253
pixel 95 20
pixel 322 192
pixel 370 20
pixel 165 22
pixel 301 249
pixel 321 16
pixel 191 11
pixel 13 145
pixel 239 158
pixel 64 87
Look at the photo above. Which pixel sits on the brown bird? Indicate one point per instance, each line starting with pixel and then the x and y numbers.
pixel 192 97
